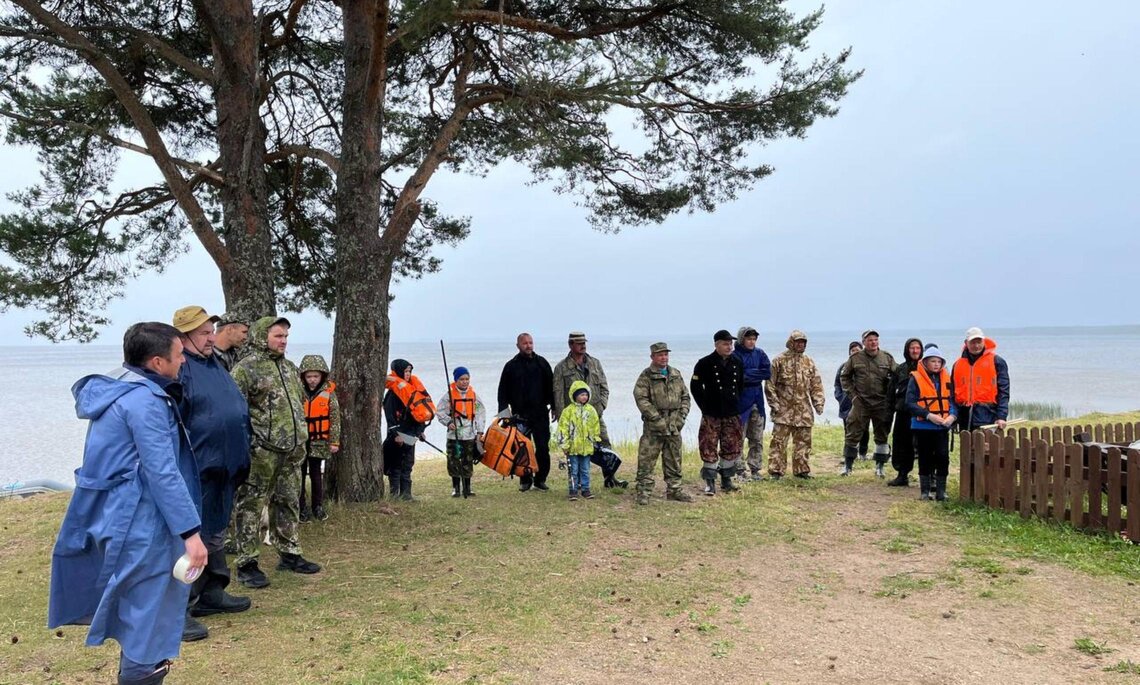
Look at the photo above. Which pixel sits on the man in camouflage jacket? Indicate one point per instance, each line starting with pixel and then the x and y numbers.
pixel 663 400
pixel 579 366
pixel 866 378
pixel 794 391
pixel 271 385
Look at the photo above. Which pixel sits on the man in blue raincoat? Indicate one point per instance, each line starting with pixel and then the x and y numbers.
pixel 134 512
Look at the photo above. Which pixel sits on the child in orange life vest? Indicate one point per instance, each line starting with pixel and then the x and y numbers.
pixel 930 400
pixel 466 418
pixel 322 411
pixel 407 411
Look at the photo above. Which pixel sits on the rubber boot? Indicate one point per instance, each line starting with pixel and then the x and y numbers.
pixel 850 452
pixel 153 679
pixel 726 483
pixel 879 473
pixel 924 487
pixel 394 486
pixel 406 487
pixel 940 493
pixel 900 481
pixel 709 476
pixel 467 488
pixel 456 487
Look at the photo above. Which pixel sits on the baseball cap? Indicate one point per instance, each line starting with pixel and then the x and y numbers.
pixel 974 332
pixel 723 335
pixel 190 317
pixel 869 331
pixel 658 347
pixel 235 316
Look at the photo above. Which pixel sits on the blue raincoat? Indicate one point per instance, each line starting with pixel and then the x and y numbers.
pixel 757 369
pixel 217 419
pixel 136 495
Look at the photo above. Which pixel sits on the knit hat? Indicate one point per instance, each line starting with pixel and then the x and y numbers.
pixel 460 372
pixel 933 351
pixel 581 391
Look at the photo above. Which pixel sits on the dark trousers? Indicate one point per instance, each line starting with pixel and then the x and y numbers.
pixel 398 463
pixel 539 432
pixel 902 444
pixel 312 467
pixel 933 448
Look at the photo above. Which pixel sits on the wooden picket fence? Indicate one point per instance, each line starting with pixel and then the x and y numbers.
pixel 1044 472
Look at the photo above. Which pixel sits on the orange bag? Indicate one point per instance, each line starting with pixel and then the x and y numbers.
pixel 507 451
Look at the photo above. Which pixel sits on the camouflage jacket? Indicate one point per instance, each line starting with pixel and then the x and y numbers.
pixel 319 448
pixel 272 386
pixel 868 378
pixel 795 388
pixel 662 399
pixel 568 371
pixel 229 358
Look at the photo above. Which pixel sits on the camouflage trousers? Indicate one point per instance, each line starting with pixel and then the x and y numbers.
pixel 800 436
pixel 461 456
pixel 754 432
pixel 274 481
pixel 720 440
pixel 651 446
pixel 855 428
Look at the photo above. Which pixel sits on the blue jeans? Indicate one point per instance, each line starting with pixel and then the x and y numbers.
pixel 579 472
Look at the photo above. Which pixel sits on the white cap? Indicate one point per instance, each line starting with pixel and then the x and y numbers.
pixel 975 332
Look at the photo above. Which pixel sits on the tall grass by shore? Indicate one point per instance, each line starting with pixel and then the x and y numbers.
pixel 1037 411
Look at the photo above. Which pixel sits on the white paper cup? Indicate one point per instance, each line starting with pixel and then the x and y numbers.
pixel 183 572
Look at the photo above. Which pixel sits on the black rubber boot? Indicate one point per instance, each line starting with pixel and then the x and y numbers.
pixel 467 488
pixel 940 493
pixel 193 630
pixel 924 487
pixel 153 679
pixel 900 481
pixel 456 487
pixel 726 483
pixel 394 486
pixel 849 455
pixel 709 476
pixel 406 489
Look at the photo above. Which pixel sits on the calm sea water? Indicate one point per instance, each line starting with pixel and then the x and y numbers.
pixel 1083 369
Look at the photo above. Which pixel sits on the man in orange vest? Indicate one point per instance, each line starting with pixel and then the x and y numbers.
pixel 981 383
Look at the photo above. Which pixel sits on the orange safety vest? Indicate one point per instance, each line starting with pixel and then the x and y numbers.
pixel 976 383
pixel 317 413
pixel 414 396
pixel 462 406
pixel 934 399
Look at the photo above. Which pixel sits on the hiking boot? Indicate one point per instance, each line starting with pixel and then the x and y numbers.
pixel 456 488
pixel 297 564
pixel 573 496
pixel 879 473
pixel 924 487
pixel 678 496
pixel 775 476
pixel 900 481
pixel 250 575
pixel 643 498
pixel 806 475
pixel 219 602
pixel 320 514
pixel 467 488
pixel 586 494
pixel 306 516
pixel 541 486
pixel 193 631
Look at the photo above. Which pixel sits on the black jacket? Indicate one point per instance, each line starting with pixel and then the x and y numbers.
pixel 716 385
pixel 900 379
pixel 527 387
pixel 397 416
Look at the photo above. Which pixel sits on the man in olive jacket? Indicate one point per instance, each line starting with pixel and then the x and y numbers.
pixel 271 385
pixel 663 401
pixel 866 380
pixel 579 366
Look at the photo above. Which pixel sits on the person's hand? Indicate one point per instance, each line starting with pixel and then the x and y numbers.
pixel 451 426
pixel 197 553
pixel 334 448
pixel 399 440
pixel 553 415
pixel 1000 423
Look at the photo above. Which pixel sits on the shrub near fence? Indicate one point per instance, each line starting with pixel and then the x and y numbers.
pixel 1055 473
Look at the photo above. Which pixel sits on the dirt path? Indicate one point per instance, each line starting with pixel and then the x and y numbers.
pixel 872 598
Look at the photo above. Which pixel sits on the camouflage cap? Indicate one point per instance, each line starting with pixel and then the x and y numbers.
pixel 235 316
pixel 576 337
pixel 658 347
pixel 190 317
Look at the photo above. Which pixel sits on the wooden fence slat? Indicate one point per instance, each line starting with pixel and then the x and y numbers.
pixel 1118 433
pixel 1066 434
pixel 1035 434
pixel 1113 478
pixel 1009 474
pixel 1041 455
pixel 1025 480
pixel 1089 429
pixel 978 438
pixel 1075 485
pixel 1058 512
pixel 1129 432
pixel 965 477
pixel 1133 495
pixel 1096 481
pixel 993 470
pixel 1057 434
pixel 1098 433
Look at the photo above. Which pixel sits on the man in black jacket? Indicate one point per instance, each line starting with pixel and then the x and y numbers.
pixel 716 385
pixel 527 387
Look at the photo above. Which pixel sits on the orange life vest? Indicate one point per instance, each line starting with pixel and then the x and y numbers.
pixel 507 451
pixel 460 405
pixel 976 383
pixel 317 413
pixel 414 396
pixel 934 399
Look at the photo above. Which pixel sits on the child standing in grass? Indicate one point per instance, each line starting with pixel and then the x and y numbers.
pixel 466 418
pixel 579 429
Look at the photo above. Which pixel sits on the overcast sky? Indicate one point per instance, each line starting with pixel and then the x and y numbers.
pixel 983 172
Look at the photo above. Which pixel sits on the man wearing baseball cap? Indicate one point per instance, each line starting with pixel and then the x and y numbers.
pixel 217 421
pixel 865 379
pixel 981 383
pixel 716 385
pixel 663 402
pixel 230 336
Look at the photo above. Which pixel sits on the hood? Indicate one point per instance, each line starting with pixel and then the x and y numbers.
pixel 259 334
pixel 313 362
pixel 576 386
pixel 95 393
pixel 912 365
pixel 399 366
pixel 795 335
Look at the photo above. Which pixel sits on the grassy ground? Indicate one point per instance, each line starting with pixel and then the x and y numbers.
pixel 484 590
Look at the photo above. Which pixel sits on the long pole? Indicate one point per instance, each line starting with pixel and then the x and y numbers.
pixel 447 384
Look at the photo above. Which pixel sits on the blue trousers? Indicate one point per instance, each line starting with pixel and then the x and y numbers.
pixel 579 472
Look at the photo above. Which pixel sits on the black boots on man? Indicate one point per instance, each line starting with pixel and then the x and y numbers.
pixel 849 455
pixel 251 575
pixel 155 678
pixel 209 590
pixel 192 630
pixel 900 481
pixel 940 492
pixel 726 483
pixel 924 486
pixel 467 488
pixel 456 487
pixel 709 476
pixel 297 564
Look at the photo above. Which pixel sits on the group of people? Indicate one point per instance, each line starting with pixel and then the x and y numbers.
pixel 205 426
pixel 208 425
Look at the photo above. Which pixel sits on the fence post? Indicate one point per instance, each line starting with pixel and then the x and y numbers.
pixel 965 468
pixel 1075 486
pixel 1058 482
pixel 1041 478
pixel 1133 495
pixel 1114 482
pixel 1025 479
pixel 981 474
pixel 1096 479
